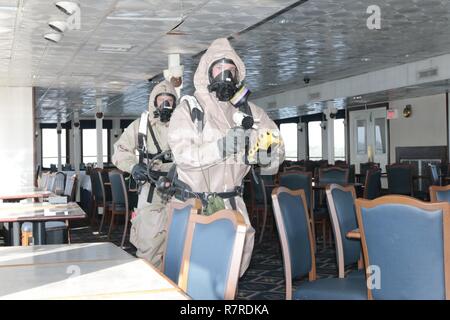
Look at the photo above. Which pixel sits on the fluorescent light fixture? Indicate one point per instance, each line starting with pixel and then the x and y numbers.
pixel 53 37
pixel 114 48
pixel 59 26
pixel 125 18
pixel 67 7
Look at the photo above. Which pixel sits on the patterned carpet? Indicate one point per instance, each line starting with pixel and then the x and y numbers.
pixel 264 280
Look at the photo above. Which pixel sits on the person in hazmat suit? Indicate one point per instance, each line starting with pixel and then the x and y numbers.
pixel 147 137
pixel 208 139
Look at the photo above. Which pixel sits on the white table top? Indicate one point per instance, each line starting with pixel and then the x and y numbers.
pixel 75 274
pixel 23 193
pixel 40 211
pixel 46 254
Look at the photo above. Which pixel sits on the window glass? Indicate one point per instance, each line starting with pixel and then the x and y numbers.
pixel 315 140
pixel 50 147
pixel 90 145
pixel 339 139
pixel 289 134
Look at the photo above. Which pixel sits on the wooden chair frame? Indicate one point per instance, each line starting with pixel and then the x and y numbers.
pixel 409 201
pixel 283 238
pixel 335 225
pixel 114 211
pixel 435 189
pixel 233 275
pixel 196 209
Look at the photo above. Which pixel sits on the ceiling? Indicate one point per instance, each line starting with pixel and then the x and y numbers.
pixel 280 42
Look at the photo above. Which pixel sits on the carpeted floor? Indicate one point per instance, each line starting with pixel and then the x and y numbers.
pixel 264 280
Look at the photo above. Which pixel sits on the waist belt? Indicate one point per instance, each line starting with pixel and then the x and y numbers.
pixel 186 194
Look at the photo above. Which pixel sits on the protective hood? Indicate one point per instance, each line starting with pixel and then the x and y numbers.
pixel 162 87
pixel 219 49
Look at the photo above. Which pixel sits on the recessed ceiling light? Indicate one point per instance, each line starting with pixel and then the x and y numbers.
pixel 357 98
pixel 365 59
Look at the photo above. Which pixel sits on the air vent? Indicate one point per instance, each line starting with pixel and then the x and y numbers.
pixel 314 96
pixel 427 73
pixel 115 48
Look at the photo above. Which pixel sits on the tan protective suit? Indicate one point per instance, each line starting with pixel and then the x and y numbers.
pixel 196 153
pixel 148 227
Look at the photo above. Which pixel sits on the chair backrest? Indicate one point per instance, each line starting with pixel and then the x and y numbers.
pixel 339 163
pixel 341 205
pixel 400 179
pixel 434 174
pixel 295 180
pixel 440 194
pixel 177 222
pixel 363 167
pixel 50 182
pixel 294 229
pixel 372 187
pixel 406 246
pixel 295 168
pixel 98 189
pixel 42 182
pixel 212 255
pixel 60 183
pixel 118 188
pixel 71 188
pixel 333 175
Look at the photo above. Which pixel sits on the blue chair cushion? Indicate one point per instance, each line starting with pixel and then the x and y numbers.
pixel 350 288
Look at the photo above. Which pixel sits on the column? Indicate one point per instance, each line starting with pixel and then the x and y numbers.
pixel 59 131
pixel 99 128
pixel 76 148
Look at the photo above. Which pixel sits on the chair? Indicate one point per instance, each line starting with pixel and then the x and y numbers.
pixel 119 205
pixel 295 232
pixel 212 255
pixel 363 167
pixel 59 183
pixel 341 205
pixel 49 186
pixel 177 222
pixel 440 193
pixel 335 175
pixel 70 191
pixel 296 180
pixel 372 187
pixel 400 179
pixel 339 163
pixel 405 245
pixel 98 199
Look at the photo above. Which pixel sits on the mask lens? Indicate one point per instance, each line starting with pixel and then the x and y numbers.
pixel 224 71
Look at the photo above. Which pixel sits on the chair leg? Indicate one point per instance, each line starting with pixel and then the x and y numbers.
pixel 263 227
pixel 111 225
pixel 125 230
pixel 101 221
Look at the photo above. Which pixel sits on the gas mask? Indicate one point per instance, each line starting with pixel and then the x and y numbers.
pixel 225 83
pixel 164 110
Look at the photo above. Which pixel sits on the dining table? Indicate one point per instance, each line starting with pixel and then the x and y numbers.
pixel 88 271
pixel 37 213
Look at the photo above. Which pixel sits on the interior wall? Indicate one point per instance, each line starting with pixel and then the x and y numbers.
pixel 427 125
pixel 17 140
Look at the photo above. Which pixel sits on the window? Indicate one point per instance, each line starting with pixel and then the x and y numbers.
pixel 289 134
pixel 90 145
pixel 380 135
pixel 339 139
pixel 315 140
pixel 361 137
pixel 50 147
